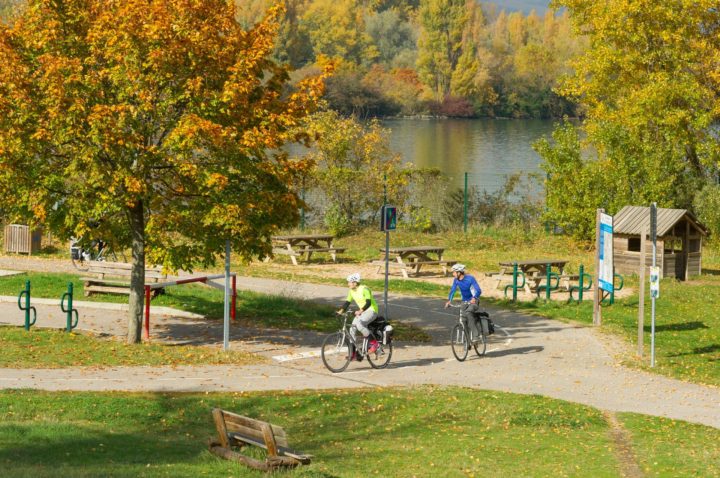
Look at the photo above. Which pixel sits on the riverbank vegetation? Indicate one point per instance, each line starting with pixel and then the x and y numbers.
pixel 424 431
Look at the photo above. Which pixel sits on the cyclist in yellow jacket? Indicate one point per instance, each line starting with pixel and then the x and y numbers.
pixel 367 308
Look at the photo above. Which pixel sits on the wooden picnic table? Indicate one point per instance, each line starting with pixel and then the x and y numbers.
pixel 305 244
pixel 535 270
pixel 412 259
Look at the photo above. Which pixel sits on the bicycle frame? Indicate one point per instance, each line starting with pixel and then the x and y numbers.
pixel 463 333
pixel 464 323
pixel 345 331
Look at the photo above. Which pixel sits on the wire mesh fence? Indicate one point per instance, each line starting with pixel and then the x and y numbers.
pixel 435 202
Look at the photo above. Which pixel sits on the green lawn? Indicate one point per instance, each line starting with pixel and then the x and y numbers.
pixel 42 348
pixel 423 432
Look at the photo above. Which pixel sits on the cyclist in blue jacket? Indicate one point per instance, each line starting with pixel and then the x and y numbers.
pixel 469 293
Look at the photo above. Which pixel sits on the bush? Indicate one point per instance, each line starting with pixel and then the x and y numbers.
pixel 707 206
pixel 337 222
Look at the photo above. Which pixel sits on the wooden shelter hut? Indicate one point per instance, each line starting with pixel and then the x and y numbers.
pixel 679 241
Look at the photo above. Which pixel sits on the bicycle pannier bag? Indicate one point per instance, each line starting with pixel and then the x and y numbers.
pixel 387 334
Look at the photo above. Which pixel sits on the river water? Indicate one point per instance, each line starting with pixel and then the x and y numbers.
pixel 487 149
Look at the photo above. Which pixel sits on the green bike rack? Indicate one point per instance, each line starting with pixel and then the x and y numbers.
pixel 618 278
pixel 69 310
pixel 548 286
pixel 514 286
pixel 581 287
pixel 27 308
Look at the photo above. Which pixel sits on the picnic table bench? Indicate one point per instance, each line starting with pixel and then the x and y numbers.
pixel 305 245
pixel 411 259
pixel 114 277
pixel 237 430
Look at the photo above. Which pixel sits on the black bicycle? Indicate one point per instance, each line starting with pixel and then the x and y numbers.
pixel 337 349
pixel 461 339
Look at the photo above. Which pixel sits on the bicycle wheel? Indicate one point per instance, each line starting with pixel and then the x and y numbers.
pixel 381 357
pixel 480 344
pixel 459 343
pixel 336 352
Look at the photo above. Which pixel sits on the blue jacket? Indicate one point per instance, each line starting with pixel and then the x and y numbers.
pixel 468 286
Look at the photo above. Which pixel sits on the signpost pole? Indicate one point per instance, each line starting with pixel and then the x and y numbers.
pixel 388 222
pixel 226 311
pixel 654 280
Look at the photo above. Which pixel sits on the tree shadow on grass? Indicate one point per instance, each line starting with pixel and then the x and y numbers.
pixel 701 351
pixel 685 326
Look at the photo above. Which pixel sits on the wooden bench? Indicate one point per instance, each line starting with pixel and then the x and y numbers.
pixel 114 277
pixel 237 430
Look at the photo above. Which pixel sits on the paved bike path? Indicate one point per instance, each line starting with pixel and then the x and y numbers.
pixel 530 355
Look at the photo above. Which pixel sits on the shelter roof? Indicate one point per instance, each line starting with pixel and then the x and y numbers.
pixel 631 220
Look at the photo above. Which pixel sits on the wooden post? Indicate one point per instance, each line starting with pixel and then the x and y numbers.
pixel 597 308
pixel 641 298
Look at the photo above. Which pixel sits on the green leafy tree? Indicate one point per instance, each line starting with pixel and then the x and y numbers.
pixel 351 163
pixel 153 122
pixel 336 30
pixel 649 82
pixel 442 23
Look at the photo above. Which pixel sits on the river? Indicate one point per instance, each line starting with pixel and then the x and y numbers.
pixel 487 149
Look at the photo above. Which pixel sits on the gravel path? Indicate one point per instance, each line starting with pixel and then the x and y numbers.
pixel 529 355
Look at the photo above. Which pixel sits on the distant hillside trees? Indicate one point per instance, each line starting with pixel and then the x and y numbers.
pixel 445 57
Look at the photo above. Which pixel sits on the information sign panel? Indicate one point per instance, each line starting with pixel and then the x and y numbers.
pixel 606 271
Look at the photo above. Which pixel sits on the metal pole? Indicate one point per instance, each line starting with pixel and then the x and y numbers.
pixel 302 210
pixel 465 205
pixel 653 232
pixel 387 251
pixel 387 267
pixel 226 314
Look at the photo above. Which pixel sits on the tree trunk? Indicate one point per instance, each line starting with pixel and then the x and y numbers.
pixel 136 216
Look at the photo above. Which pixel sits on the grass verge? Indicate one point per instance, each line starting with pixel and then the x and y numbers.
pixel 415 432
pixel 41 348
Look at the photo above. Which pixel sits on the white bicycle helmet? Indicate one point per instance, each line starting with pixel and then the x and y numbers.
pixel 458 268
pixel 355 277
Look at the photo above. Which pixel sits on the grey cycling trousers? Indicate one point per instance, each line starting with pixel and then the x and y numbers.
pixel 361 322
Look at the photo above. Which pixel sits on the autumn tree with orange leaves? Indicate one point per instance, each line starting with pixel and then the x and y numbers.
pixel 151 124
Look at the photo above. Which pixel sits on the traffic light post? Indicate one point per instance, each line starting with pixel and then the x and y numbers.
pixel 388 222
